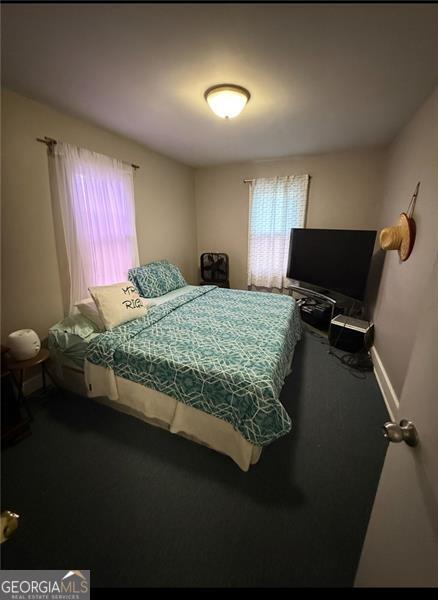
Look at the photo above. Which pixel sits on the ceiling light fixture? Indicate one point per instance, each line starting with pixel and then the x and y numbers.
pixel 227 100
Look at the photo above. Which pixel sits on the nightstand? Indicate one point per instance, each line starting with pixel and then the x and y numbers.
pixel 22 365
pixel 13 426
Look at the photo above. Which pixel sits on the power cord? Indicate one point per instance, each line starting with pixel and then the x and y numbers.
pixel 357 364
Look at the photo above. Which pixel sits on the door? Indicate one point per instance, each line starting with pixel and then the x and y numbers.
pixel 401 544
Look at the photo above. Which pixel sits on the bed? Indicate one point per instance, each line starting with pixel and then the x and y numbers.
pixel 207 363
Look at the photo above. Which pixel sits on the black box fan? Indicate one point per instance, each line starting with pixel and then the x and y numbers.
pixel 215 269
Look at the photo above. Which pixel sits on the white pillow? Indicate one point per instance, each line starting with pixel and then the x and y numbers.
pixel 118 303
pixel 88 308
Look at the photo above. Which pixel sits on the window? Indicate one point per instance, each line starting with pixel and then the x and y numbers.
pixel 96 196
pixel 277 205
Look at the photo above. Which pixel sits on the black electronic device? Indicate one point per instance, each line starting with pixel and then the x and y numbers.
pixel 317 314
pixel 333 259
pixel 351 335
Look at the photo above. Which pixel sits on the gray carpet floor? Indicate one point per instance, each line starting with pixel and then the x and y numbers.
pixel 140 507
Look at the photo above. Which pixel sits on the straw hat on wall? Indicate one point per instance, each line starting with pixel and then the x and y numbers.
pixel 401 237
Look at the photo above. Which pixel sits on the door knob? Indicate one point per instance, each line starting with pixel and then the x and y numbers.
pixel 405 432
pixel 8 524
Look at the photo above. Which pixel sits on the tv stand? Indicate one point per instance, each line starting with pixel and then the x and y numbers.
pixel 319 296
pixel 313 293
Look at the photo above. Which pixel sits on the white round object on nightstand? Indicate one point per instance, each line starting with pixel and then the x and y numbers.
pixel 24 344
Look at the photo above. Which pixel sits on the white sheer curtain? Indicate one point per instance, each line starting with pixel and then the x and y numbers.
pixel 96 200
pixel 277 204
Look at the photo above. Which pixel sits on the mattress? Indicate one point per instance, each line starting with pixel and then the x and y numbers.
pixel 224 352
pixel 70 339
pixel 167 413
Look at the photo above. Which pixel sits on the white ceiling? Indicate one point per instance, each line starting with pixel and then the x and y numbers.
pixel 322 77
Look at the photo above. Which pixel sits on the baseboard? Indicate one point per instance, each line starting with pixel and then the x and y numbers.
pixel 385 385
pixel 32 384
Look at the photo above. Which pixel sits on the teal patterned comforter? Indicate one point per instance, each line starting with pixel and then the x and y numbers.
pixel 222 351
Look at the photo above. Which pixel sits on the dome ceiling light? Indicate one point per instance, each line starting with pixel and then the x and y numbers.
pixel 227 100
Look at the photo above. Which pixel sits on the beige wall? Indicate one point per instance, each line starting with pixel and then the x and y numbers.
pixel 413 157
pixel 345 192
pixel 165 210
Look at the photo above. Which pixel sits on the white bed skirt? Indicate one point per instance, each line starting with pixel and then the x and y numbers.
pixel 163 411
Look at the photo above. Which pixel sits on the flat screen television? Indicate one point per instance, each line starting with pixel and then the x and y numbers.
pixel 333 259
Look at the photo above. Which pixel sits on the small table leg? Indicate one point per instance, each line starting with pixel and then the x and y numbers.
pixel 43 375
pixel 22 398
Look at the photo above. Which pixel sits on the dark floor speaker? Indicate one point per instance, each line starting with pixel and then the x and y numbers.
pixel 351 335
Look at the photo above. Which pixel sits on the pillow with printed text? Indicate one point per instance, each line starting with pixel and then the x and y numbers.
pixel 118 303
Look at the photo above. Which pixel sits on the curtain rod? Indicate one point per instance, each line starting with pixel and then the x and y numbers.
pixel 50 142
pixel 251 180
